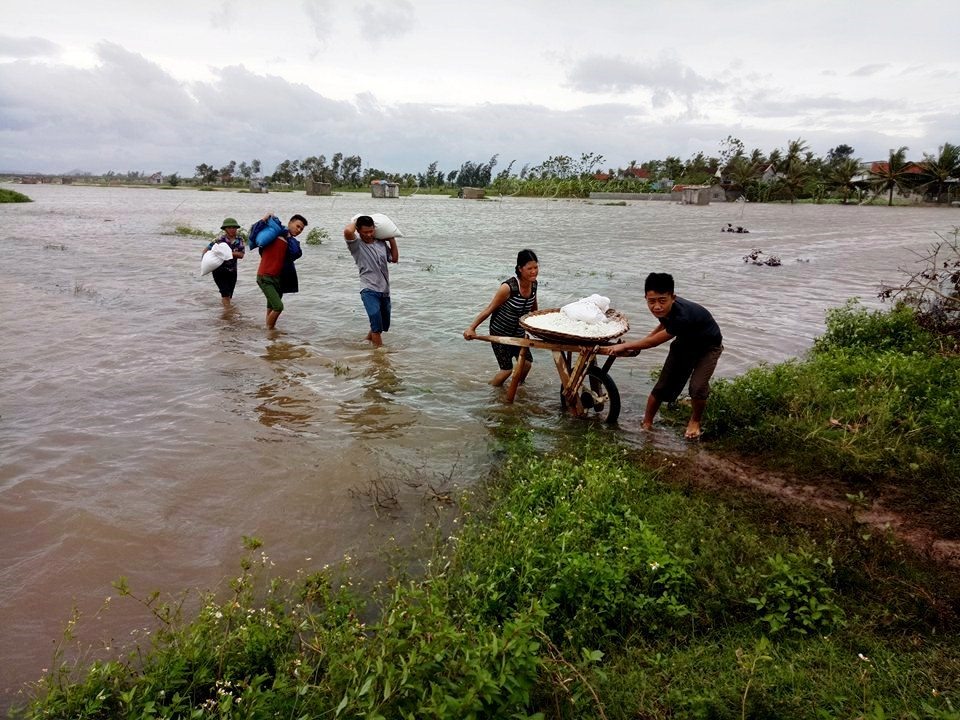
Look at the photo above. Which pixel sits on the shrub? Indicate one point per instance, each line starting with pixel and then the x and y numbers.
pixel 317 235
pixel 795 596
pixel 853 327
pixel 12 196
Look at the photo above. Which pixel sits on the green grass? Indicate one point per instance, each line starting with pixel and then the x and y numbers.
pixel 12 196
pixel 875 402
pixel 592 583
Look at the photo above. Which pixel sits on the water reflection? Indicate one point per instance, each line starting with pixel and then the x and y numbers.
pixel 380 376
pixel 276 409
pixel 284 401
pixel 377 410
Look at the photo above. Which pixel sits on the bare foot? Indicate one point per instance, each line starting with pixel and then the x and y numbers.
pixel 693 431
pixel 646 426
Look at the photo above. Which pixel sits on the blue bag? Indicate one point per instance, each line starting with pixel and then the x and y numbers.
pixel 264 232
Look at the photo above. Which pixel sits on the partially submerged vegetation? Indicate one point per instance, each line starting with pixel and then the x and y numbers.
pixel 12 196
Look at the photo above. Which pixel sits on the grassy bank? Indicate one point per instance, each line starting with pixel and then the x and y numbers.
pixel 875 404
pixel 12 196
pixel 580 585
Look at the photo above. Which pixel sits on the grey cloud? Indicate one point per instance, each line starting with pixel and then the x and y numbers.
pixel 128 114
pixel 320 17
pixel 224 16
pixel 376 16
pixel 868 70
pixel 765 105
pixel 601 74
pixel 24 48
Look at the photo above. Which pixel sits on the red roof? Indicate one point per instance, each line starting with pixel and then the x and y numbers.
pixel 882 165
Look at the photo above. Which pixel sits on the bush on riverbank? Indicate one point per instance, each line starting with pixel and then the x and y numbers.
pixel 12 196
pixel 875 401
pixel 580 586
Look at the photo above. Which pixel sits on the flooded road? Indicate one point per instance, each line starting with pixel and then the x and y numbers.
pixel 143 431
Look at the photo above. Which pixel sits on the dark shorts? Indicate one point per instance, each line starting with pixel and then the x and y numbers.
pixel 684 363
pixel 226 281
pixel 377 305
pixel 270 285
pixel 506 353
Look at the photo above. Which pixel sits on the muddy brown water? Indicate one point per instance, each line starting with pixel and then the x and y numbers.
pixel 143 431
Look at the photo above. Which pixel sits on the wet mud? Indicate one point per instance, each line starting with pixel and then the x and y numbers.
pixel 729 473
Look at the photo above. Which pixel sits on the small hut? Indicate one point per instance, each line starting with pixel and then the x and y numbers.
pixel 472 193
pixel 696 195
pixel 315 187
pixel 258 185
pixel 384 189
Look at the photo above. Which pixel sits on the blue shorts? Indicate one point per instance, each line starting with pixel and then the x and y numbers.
pixel 377 305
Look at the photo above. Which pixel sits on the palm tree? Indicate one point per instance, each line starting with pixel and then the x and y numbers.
pixel 841 177
pixel 793 182
pixel 742 173
pixel 892 174
pixel 938 170
pixel 795 148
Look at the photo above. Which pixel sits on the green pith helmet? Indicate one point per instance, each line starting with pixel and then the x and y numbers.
pixel 229 223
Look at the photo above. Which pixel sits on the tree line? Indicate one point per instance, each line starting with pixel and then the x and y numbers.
pixel 791 173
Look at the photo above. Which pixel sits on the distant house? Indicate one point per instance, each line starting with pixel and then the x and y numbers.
pixel 870 170
pixel 155 179
pixel 769 174
pixel 637 172
pixel 258 185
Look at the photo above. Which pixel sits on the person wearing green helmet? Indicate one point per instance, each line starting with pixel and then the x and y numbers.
pixel 225 276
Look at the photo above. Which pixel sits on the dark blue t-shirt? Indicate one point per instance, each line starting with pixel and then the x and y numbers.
pixel 692 324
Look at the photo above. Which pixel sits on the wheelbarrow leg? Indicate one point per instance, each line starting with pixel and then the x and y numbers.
pixel 571 379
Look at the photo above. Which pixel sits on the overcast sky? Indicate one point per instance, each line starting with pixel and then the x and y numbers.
pixel 129 85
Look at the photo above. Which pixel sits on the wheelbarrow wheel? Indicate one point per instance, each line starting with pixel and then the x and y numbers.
pixel 599 396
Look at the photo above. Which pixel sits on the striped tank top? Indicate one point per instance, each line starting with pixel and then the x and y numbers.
pixel 505 320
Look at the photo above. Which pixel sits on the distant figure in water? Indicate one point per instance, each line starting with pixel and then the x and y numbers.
pixel 730 228
pixel 515 297
pixel 225 276
pixel 693 354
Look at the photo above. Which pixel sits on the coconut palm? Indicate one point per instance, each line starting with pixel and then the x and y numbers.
pixel 840 177
pixel 793 182
pixel 742 173
pixel 937 171
pixel 891 175
pixel 794 157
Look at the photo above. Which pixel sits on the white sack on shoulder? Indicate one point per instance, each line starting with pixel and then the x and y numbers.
pixel 383 227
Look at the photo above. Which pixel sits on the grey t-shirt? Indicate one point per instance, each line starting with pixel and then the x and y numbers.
pixel 371 259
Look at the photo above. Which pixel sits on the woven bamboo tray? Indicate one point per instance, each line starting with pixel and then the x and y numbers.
pixel 553 335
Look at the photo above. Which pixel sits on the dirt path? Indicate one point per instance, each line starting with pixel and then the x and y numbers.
pixel 723 472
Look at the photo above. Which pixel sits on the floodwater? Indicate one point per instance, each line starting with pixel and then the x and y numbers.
pixel 143 431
